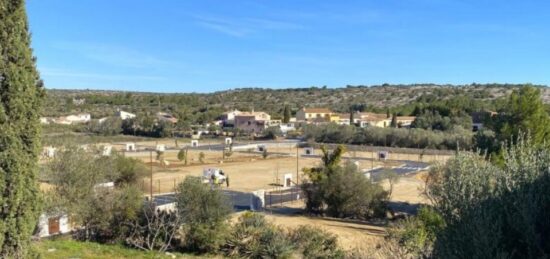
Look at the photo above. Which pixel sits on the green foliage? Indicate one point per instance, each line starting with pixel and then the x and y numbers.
pixel 434 121
pixel 393 122
pixel 201 157
pixel 272 132
pixel 67 248
pixel 21 95
pixel 315 243
pixel 286 114
pixel 204 212
pixel 417 234
pixel 182 155
pixel 129 170
pixel 392 137
pixel 494 212
pixel 160 155
pixel 254 237
pixel 109 127
pixel 342 191
pixel 264 153
pixel 524 112
pixel 391 176
pixel 75 175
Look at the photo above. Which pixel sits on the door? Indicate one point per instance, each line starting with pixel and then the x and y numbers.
pixel 53 225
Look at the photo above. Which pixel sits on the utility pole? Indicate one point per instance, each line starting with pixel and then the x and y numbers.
pixel 297 164
pixel 151 177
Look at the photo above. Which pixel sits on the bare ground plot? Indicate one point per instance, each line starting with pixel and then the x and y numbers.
pixel 351 234
pixel 247 171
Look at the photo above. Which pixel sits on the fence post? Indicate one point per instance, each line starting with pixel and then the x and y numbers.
pixel 159 185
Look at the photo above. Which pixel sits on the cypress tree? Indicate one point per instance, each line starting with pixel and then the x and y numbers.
pixel 286 114
pixel 393 123
pixel 21 94
pixel 351 119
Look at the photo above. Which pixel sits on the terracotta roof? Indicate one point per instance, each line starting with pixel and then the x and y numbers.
pixel 317 110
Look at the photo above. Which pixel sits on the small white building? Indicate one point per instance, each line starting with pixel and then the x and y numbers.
pixel 49 225
pixel 124 115
pixel 308 151
pixel 286 127
pixel 160 147
pixel 130 147
pixel 79 118
pixel 49 152
pixel 106 150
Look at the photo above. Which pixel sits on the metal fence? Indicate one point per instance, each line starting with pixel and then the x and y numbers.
pixel 278 197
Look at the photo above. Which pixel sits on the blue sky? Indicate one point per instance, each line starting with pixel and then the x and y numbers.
pixel 205 46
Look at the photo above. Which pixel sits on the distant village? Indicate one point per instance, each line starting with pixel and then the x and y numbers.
pixel 256 122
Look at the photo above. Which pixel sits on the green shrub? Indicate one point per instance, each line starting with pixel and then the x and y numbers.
pixel 204 211
pixel 254 237
pixel 417 234
pixel 494 212
pixel 315 243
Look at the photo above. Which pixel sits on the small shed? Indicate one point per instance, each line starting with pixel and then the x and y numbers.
pixel 261 148
pixel 383 155
pixel 50 151
pixel 130 147
pixel 49 225
pixel 106 150
pixel 308 151
pixel 228 141
pixel 194 143
pixel 160 147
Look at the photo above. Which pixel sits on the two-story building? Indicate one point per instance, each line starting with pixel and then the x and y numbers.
pixel 252 122
pixel 316 115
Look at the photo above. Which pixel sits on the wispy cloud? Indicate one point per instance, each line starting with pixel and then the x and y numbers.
pixel 240 27
pixel 111 54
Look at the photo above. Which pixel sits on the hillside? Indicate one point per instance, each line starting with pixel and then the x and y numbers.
pixel 201 108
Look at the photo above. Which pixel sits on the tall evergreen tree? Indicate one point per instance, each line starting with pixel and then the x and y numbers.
pixel 21 94
pixel 351 119
pixel 286 114
pixel 393 123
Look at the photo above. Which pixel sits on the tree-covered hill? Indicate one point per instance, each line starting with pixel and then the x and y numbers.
pixel 202 108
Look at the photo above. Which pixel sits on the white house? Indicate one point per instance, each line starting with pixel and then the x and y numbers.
pixel 73 119
pixel 124 115
pixel 286 127
pixel 79 118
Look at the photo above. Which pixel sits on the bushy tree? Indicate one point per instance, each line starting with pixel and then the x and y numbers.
pixel 523 113
pixel 272 132
pixel 21 95
pixel 342 191
pixel 204 211
pixel 76 176
pixel 109 127
pixel 494 211
pixel 417 234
